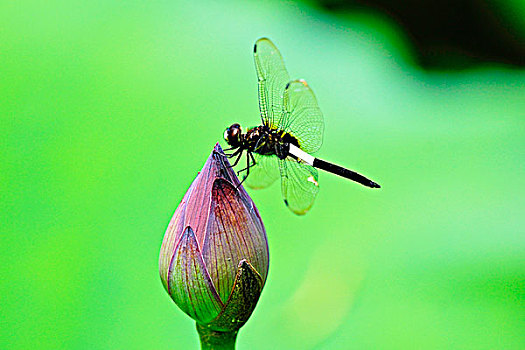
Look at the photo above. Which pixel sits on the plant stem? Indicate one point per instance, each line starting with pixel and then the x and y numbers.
pixel 216 340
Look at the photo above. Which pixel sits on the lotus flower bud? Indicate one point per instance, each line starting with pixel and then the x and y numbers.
pixel 214 257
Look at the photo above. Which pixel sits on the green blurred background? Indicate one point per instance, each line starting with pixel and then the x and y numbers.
pixel 108 110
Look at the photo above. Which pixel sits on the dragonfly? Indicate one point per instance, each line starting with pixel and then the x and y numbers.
pixel 291 130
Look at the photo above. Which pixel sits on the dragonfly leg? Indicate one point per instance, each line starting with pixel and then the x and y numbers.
pixel 248 166
pixel 239 151
pixel 230 155
pixel 247 169
pixel 223 152
pixel 253 158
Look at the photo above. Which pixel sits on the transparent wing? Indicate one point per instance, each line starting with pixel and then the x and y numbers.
pixel 264 172
pixel 298 185
pixel 272 77
pixel 302 117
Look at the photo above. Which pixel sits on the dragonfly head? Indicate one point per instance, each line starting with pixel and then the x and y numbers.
pixel 232 135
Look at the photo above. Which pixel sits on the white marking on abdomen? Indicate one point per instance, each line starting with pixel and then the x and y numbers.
pixel 299 153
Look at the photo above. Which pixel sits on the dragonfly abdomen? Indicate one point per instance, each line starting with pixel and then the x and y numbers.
pixel 343 172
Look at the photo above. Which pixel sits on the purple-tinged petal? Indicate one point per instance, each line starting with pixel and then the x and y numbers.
pixel 242 300
pixel 234 233
pixel 171 239
pixel 192 211
pixel 189 284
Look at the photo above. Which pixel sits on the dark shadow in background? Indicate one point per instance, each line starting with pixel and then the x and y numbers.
pixel 449 34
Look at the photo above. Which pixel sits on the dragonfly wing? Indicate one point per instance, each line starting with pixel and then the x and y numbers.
pixel 264 172
pixel 302 118
pixel 299 185
pixel 272 77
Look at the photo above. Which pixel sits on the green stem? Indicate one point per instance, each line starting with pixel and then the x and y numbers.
pixel 216 340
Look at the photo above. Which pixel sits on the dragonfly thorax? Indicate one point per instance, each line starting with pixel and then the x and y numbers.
pixel 260 139
pixel 266 141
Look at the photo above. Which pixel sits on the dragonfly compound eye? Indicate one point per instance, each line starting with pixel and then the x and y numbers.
pixel 232 135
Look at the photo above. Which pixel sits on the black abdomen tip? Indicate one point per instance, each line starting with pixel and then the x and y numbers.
pixel 255 48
